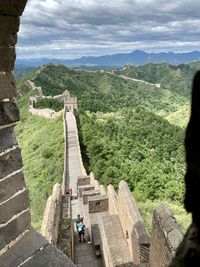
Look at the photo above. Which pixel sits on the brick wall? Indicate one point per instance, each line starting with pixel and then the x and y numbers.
pixel 132 224
pixel 51 216
pixel 14 201
pixel 20 245
pixel 165 238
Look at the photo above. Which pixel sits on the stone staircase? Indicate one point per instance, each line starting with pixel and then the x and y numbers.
pixel 104 230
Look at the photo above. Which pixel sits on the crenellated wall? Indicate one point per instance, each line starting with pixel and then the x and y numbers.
pixel 165 238
pixel 20 245
pixel 132 224
pixel 51 218
pixel 15 217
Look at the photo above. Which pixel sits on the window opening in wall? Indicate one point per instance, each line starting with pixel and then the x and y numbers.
pixel 98 203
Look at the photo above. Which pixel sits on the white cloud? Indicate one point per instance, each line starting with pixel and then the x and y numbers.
pixel 75 28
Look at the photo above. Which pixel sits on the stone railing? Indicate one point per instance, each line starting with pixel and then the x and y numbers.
pixel 65 182
pixel 20 245
pixel 131 221
pixel 51 217
pixel 165 238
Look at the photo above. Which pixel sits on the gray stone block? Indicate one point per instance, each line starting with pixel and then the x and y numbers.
pixel 7 58
pixel 9 26
pixel 22 250
pixel 98 203
pixel 14 206
pixel 175 237
pixel 12 8
pixel 11 185
pixel 10 162
pixel 83 180
pixel 50 256
pixel 83 188
pixel 7 86
pixel 14 228
pixel 87 194
pixel 115 245
pixel 9 112
pixel 7 138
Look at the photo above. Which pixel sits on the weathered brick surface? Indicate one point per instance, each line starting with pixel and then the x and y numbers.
pixel 51 216
pixel 132 224
pixel 7 86
pixel 98 203
pixel 12 7
pixel 14 228
pixel 113 201
pixel 9 26
pixel 13 206
pixel 10 162
pixel 50 256
pixel 66 229
pixel 83 188
pixel 7 138
pixel 7 58
pixel 11 185
pixel 9 112
pixel 87 194
pixel 165 237
pixel 115 247
pixel 26 247
pixel 83 180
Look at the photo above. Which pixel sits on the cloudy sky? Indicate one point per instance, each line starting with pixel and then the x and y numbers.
pixel 75 28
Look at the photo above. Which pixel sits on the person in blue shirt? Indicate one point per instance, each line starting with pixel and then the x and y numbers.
pixel 81 230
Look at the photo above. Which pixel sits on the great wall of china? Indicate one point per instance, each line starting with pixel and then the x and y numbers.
pixel 116 233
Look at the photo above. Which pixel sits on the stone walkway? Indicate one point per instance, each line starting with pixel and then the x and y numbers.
pixel 75 165
pixel 84 251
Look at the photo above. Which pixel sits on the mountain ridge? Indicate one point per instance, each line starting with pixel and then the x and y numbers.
pixel 137 57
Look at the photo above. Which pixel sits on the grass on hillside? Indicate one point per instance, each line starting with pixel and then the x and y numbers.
pixel 146 209
pixel 42 144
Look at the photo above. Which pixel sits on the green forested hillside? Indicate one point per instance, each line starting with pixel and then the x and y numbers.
pixel 139 147
pixel 123 132
pixel 42 144
pixel 102 91
pixel 175 78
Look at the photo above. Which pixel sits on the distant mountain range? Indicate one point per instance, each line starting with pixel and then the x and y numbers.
pixel 136 57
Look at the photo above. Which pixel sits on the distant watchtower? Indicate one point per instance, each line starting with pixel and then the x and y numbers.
pixel 70 102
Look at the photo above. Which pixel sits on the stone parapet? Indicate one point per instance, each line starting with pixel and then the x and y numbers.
pixel 165 238
pixel 66 229
pixel 115 247
pixel 9 26
pixel 98 203
pixel 7 84
pixel 113 200
pixel 90 193
pixel 84 188
pixel 132 224
pixel 12 8
pixel 8 139
pixel 51 216
pixel 9 112
pixel 83 180
pixel 7 58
